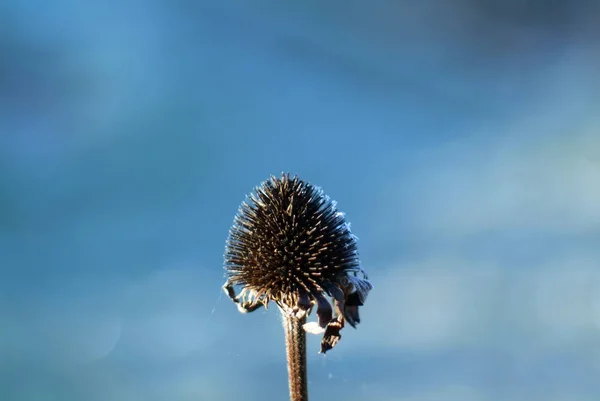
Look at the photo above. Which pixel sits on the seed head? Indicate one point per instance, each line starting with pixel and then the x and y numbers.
pixel 290 245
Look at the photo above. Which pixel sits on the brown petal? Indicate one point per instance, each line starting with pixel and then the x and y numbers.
pixel 351 305
pixel 324 311
pixel 351 315
pixel 302 306
pixel 332 334
pixel 360 286
pixel 338 300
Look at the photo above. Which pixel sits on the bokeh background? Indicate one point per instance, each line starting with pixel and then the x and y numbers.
pixel 460 137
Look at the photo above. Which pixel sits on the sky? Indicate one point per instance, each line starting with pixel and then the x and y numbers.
pixel 460 138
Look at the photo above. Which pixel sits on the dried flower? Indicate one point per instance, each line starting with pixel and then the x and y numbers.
pixel 290 245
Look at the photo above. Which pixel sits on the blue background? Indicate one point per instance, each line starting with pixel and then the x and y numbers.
pixel 460 138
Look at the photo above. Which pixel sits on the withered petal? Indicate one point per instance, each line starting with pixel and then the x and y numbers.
pixel 353 299
pixel 332 334
pixel 302 306
pixel 338 300
pixel 324 311
pixel 351 315
pixel 360 286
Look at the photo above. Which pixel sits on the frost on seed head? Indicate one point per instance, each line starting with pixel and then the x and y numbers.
pixel 289 244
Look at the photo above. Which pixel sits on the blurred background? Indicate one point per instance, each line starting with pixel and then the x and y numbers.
pixel 460 137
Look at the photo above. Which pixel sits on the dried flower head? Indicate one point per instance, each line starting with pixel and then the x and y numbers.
pixel 290 245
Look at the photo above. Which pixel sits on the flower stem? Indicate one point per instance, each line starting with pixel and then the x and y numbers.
pixel 295 346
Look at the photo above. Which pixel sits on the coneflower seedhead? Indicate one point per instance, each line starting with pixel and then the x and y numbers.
pixel 290 245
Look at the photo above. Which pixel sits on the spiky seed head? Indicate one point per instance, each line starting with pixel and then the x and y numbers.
pixel 289 244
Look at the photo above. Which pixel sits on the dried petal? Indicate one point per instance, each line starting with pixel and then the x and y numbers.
pixel 324 311
pixel 360 286
pixel 332 334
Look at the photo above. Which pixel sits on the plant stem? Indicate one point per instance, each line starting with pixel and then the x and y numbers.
pixel 295 346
